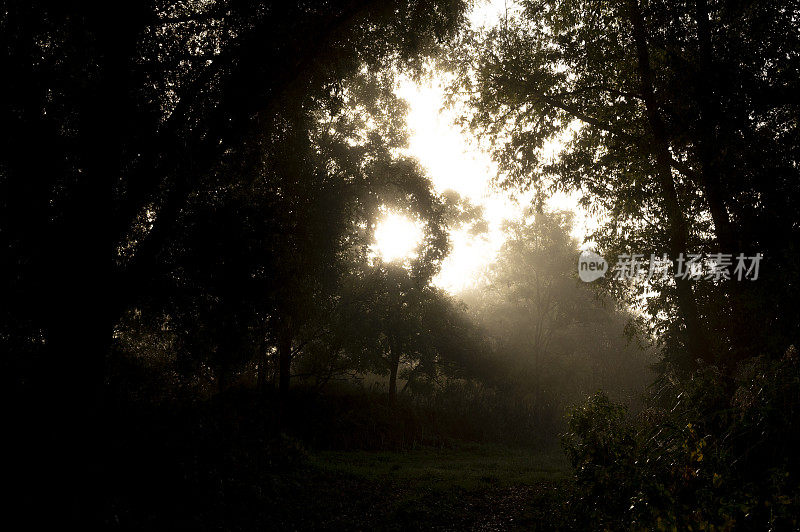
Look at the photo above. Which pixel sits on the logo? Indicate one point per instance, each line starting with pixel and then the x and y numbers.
pixel 591 266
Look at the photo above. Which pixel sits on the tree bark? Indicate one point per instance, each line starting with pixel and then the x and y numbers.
pixel 710 173
pixel 394 363
pixel 678 230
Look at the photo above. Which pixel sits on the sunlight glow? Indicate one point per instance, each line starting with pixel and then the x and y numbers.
pixel 453 163
pixel 454 160
pixel 397 237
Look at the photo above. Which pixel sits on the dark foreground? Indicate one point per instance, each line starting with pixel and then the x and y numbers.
pixel 474 487
pixel 468 487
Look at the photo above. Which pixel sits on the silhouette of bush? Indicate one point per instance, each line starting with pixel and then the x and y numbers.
pixel 716 452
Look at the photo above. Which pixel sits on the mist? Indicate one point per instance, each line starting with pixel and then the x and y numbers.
pixel 400 265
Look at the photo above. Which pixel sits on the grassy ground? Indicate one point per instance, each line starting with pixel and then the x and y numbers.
pixel 468 488
pixel 185 470
pixel 467 467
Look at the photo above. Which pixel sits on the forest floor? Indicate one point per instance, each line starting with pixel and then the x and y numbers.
pixel 472 487
pixel 178 470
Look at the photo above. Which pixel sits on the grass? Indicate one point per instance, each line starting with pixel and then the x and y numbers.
pixel 469 487
pixel 468 467
pixel 472 487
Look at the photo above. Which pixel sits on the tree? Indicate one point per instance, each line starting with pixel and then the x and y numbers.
pixel 555 338
pixel 610 82
pixel 118 126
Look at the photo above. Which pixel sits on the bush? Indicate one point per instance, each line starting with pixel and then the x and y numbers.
pixel 716 452
pixel 600 445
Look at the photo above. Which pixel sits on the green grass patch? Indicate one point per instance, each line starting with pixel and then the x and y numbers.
pixel 467 467
pixel 469 487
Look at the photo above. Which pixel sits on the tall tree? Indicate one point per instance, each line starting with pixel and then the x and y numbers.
pixel 556 338
pixel 610 83
pixel 119 120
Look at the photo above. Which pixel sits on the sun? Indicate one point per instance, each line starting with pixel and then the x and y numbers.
pixel 397 237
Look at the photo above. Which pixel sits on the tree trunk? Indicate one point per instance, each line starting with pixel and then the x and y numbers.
pixel 284 363
pixel 713 167
pixel 261 379
pixel 710 173
pixel 678 231
pixel 394 363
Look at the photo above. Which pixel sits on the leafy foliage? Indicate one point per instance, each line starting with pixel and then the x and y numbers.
pixel 701 458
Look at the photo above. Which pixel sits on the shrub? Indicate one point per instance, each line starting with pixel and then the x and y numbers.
pixel 600 445
pixel 714 452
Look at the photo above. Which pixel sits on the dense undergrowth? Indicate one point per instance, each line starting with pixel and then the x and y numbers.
pixel 713 452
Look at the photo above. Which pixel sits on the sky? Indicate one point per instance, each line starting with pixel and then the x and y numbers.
pixel 453 162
